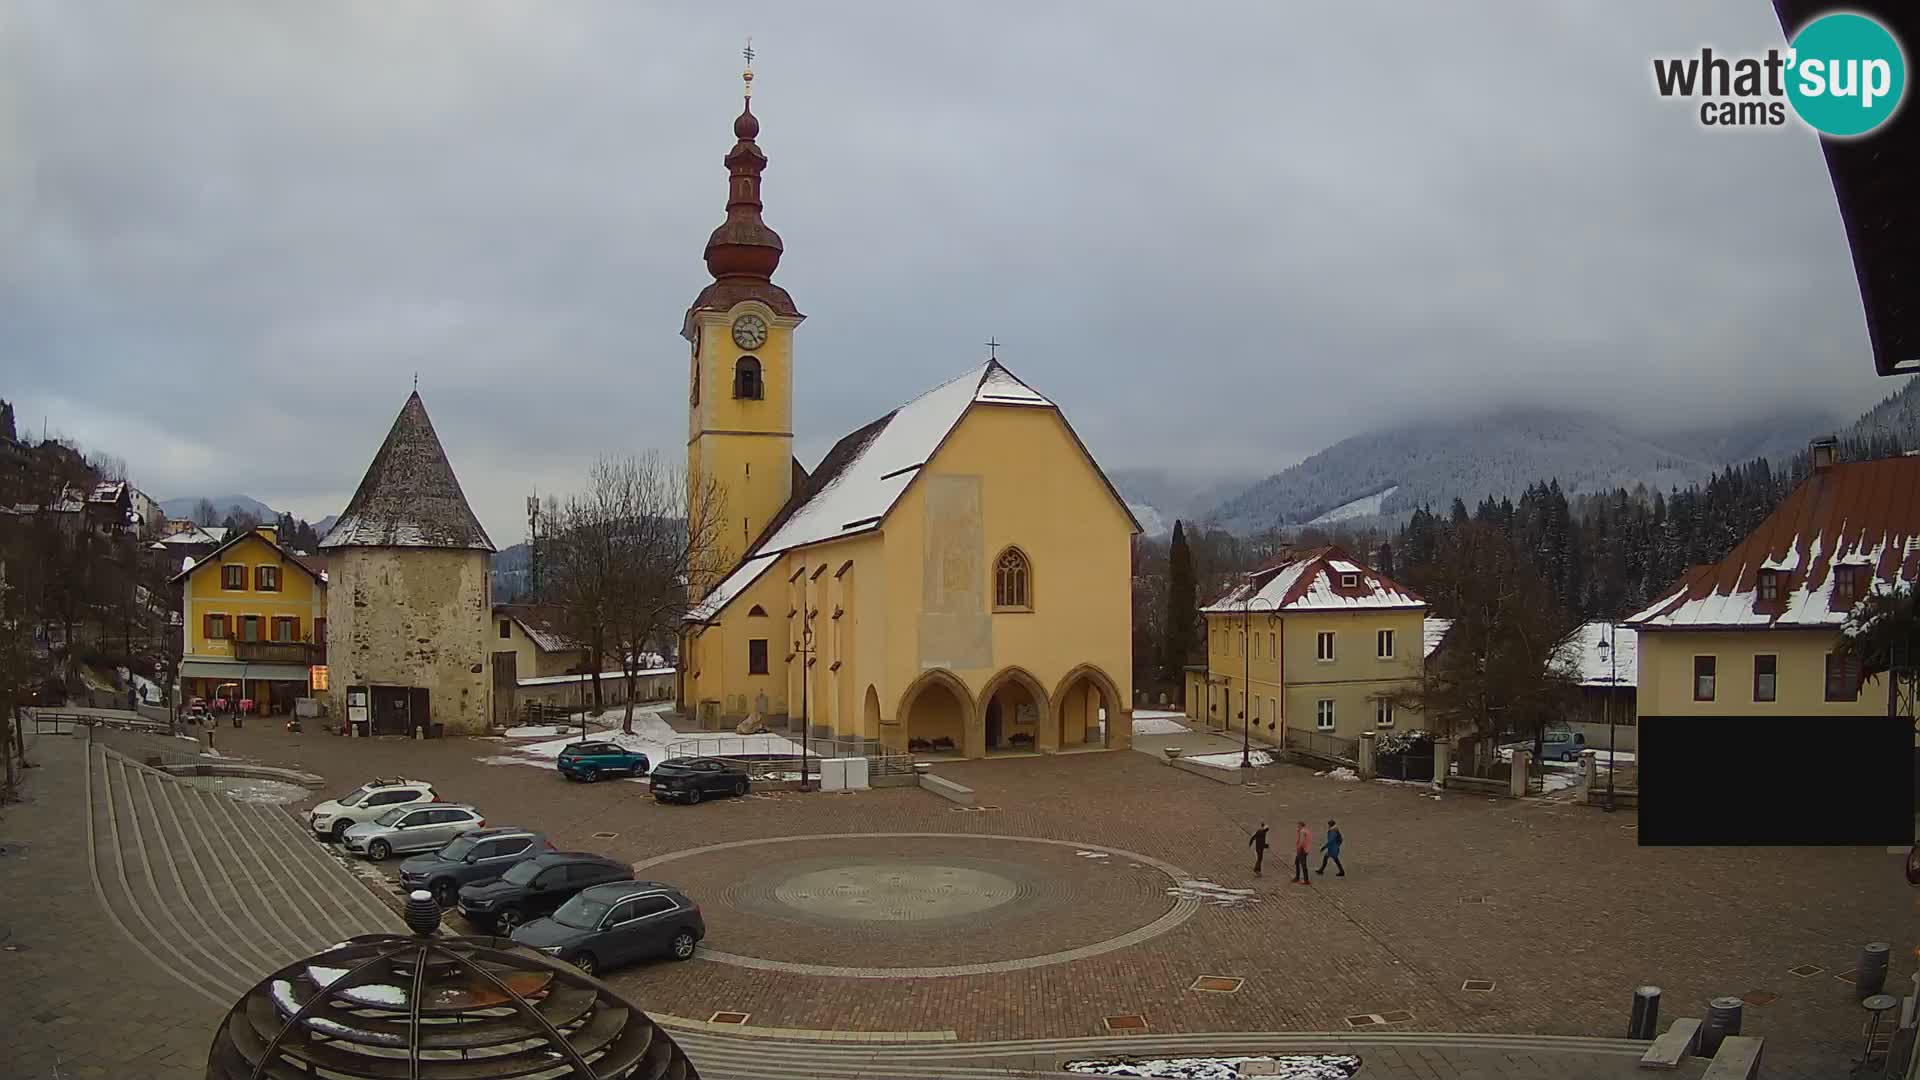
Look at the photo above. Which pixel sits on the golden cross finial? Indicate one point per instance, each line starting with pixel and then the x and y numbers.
pixel 747 75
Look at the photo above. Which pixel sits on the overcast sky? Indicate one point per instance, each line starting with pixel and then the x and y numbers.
pixel 1221 235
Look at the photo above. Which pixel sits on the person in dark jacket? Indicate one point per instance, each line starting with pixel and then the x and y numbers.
pixel 1330 851
pixel 1259 844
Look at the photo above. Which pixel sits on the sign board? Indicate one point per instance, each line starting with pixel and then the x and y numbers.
pixel 317 676
pixel 357 698
pixel 357 714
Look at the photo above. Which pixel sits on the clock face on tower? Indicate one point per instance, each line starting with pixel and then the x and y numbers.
pixel 749 332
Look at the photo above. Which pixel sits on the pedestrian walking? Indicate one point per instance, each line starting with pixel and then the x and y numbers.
pixel 1259 845
pixel 1330 851
pixel 1303 843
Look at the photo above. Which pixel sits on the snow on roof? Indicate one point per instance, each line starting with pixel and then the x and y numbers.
pixel 863 475
pixel 409 496
pixel 199 534
pixel 1862 513
pixel 1436 632
pixel 1310 581
pixel 731 586
pixel 1001 388
pixel 539 624
pixel 1604 655
pixel 614 673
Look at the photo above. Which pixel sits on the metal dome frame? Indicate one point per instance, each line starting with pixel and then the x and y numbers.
pixel 594 1034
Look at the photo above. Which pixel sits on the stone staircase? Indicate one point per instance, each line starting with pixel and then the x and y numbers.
pixel 218 892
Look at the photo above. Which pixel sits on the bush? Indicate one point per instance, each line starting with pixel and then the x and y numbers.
pixel 1401 742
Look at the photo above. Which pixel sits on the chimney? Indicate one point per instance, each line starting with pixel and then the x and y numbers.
pixel 1823 450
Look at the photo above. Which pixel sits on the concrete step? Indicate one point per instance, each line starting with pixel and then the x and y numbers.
pixel 218 892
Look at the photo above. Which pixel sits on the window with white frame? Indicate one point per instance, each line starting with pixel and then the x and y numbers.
pixel 1323 646
pixel 1382 712
pixel 1323 714
pixel 1383 644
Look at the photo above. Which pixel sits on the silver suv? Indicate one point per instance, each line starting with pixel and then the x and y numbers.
pixel 425 827
pixel 331 819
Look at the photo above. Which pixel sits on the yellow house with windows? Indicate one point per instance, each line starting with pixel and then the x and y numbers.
pixel 1754 634
pixel 953 577
pixel 255 615
pixel 1313 648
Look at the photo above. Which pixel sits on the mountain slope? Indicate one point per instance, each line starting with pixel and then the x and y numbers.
pixel 1388 474
pixel 222 506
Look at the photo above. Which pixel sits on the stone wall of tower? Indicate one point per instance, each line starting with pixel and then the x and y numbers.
pixel 411 617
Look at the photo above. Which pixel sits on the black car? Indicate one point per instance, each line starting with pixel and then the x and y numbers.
pixel 538 886
pixel 610 925
pixel 691 779
pixel 473 859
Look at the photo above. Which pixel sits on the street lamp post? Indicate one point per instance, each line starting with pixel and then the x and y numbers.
pixel 1613 687
pixel 803 649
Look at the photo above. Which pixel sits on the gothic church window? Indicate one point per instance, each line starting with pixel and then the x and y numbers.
pixel 1013 581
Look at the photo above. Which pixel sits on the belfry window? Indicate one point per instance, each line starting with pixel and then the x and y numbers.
pixel 746 379
pixel 1012 581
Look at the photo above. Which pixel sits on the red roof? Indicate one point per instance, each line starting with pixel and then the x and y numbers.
pixel 1312 580
pixel 1863 513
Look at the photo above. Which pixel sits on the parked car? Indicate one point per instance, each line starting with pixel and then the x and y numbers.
pixel 1562 744
pixel 692 779
pixel 473 858
pixel 609 925
pixel 589 761
pixel 331 819
pixel 537 886
pixel 427 827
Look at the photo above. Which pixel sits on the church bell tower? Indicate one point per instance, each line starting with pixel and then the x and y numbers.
pixel 740 329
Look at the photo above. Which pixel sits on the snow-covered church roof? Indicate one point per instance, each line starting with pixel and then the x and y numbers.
pixel 409 497
pixel 857 483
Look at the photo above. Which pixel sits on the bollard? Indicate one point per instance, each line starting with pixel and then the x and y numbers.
pixel 1870 977
pixel 1645 1021
pixel 1723 1019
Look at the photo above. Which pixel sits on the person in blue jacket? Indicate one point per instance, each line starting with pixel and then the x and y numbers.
pixel 1331 850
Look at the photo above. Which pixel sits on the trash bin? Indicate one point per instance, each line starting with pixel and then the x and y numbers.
pixel 435 731
pixel 1644 1023
pixel 1871 976
pixel 1723 1019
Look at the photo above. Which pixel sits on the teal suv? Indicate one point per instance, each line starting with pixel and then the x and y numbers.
pixel 589 761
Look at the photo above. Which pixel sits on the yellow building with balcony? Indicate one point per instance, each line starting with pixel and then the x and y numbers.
pixel 1312 651
pixel 253 619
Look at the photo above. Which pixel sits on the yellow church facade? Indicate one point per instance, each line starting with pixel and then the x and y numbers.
pixel 952 578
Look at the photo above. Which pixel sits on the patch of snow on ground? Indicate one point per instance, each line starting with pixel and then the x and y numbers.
pixel 1206 892
pixel 1285 1067
pixel 1159 723
pixel 1341 773
pixel 1230 760
pixel 652 736
pixel 540 731
pixel 149 693
pixel 1091 854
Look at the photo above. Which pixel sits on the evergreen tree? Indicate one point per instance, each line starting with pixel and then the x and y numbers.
pixel 1183 610
pixel 1384 561
pixel 6 423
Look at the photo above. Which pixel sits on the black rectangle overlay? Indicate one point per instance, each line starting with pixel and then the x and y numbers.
pixel 1789 781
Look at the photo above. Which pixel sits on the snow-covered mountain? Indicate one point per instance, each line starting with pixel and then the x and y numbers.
pixel 1388 474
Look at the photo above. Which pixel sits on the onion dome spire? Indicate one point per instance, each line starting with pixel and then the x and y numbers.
pixel 743 247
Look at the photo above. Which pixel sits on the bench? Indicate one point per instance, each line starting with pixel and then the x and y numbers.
pixel 947 789
pixel 1679 1040
pixel 1737 1059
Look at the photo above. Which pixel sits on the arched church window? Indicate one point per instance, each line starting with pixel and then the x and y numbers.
pixel 1013 581
pixel 746 379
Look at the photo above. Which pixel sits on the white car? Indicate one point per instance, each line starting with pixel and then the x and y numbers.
pixel 331 819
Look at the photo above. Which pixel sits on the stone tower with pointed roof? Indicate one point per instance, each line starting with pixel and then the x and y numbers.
pixel 408 598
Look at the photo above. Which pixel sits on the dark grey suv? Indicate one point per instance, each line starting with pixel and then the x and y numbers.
pixel 537 886
pixel 474 859
pixel 610 925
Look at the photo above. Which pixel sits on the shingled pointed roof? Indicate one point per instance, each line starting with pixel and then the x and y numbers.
pixel 409 497
pixel 1311 580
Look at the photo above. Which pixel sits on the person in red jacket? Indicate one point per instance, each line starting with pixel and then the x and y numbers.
pixel 1302 843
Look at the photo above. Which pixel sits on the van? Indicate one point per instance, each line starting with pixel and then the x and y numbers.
pixel 1562 744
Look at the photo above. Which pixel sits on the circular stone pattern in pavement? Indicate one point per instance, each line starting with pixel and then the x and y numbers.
pixel 921 905
pixel 895 892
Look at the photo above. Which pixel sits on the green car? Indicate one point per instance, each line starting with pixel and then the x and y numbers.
pixel 589 761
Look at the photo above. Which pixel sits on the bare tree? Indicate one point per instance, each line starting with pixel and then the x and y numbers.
pixel 620 557
pixel 204 513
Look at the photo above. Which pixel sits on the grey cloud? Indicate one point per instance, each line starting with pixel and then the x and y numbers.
pixel 1220 234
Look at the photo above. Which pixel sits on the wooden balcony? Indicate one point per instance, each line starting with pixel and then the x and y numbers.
pixel 279 652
